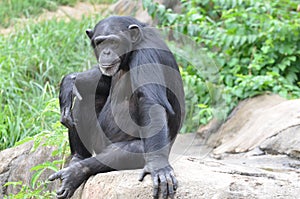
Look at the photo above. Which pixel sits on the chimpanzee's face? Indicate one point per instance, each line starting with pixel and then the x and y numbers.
pixel 110 48
pixel 109 51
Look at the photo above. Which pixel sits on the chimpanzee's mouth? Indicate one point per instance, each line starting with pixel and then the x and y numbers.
pixel 107 66
pixel 110 69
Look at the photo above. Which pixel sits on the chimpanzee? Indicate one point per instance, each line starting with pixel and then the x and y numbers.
pixel 124 113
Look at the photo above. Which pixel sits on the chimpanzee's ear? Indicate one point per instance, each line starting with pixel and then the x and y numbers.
pixel 135 33
pixel 89 33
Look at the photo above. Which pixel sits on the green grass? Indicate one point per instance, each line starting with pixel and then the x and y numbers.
pixel 11 10
pixel 32 63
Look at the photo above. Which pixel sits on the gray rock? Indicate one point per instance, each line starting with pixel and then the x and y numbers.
pixel 130 8
pixel 199 176
pixel 135 9
pixel 15 165
pixel 256 120
pixel 285 142
pixel 7 158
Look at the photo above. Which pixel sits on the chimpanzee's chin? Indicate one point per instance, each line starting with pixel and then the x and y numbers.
pixel 109 71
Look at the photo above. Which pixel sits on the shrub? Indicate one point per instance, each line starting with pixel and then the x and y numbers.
pixel 256 45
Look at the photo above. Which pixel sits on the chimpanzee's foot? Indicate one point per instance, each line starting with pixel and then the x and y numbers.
pixel 72 177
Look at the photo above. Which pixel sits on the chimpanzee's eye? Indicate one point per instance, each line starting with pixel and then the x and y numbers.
pixel 98 41
pixel 114 43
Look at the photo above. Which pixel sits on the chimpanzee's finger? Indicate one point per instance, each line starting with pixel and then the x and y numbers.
pixel 163 185
pixel 155 186
pixel 55 176
pixel 175 182
pixel 62 193
pixel 143 174
pixel 171 191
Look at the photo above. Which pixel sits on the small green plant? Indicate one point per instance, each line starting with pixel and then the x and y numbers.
pixel 28 192
pixel 37 188
pixel 196 91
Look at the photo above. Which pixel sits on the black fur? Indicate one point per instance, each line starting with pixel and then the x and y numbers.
pixel 128 120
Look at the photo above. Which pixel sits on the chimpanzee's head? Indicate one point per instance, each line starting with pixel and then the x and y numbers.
pixel 112 38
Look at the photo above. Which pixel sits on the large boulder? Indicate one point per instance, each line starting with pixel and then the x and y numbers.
pixel 267 122
pixel 200 176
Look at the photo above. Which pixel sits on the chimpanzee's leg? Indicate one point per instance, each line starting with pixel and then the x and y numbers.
pixel 117 156
pixel 78 150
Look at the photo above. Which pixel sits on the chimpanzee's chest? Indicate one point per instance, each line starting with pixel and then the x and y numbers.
pixel 118 119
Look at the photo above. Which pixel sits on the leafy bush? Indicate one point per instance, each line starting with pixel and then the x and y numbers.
pixel 256 45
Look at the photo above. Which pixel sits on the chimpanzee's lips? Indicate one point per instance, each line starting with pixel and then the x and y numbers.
pixel 110 64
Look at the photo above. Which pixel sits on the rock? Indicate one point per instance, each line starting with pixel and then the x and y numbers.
pixel 285 142
pixel 199 176
pixel 130 8
pixel 7 158
pixel 15 165
pixel 256 120
pixel 202 180
pixel 135 9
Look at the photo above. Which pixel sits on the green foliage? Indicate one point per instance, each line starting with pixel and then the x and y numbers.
pixel 37 188
pixel 12 9
pixel 255 43
pixel 28 192
pixel 198 92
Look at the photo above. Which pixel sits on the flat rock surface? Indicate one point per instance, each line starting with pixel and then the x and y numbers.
pixel 199 176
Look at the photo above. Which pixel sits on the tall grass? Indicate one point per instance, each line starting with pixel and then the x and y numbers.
pixel 32 63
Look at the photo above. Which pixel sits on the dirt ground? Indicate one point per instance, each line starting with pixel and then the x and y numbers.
pixel 63 12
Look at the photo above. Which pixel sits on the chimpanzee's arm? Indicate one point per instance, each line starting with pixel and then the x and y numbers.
pixel 79 85
pixel 157 144
pixel 90 84
pixel 66 99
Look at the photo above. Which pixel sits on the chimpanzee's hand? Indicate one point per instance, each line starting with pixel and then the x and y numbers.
pixel 163 180
pixel 72 177
pixel 66 118
pixel 67 93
